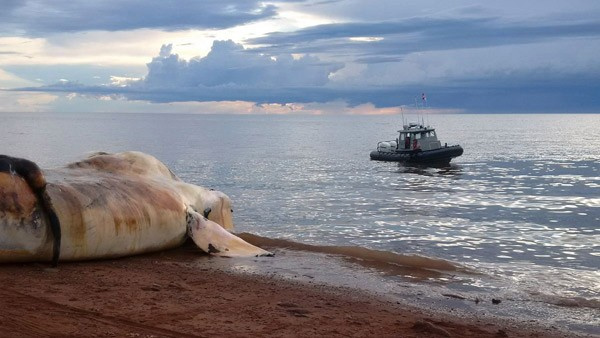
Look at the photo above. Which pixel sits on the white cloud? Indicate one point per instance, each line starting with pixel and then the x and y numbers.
pixel 366 38
pixel 123 81
pixel 229 64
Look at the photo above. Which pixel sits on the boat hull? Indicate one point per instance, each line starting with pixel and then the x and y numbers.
pixel 437 156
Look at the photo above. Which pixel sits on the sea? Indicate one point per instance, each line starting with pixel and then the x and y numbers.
pixel 510 229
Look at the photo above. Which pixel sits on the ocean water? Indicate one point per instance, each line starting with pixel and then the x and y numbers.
pixel 518 214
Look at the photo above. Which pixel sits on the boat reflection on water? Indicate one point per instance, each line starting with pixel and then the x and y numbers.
pixel 430 169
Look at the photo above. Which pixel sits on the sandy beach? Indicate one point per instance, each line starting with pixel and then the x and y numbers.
pixel 160 295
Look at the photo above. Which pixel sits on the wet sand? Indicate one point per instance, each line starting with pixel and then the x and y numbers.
pixel 161 295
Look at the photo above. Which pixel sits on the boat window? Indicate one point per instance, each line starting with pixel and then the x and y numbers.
pixel 418 136
pixel 402 137
pixel 432 133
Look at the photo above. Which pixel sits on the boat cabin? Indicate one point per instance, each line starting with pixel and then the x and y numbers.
pixel 416 136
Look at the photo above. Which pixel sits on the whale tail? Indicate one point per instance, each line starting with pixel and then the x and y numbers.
pixel 34 177
pixel 213 239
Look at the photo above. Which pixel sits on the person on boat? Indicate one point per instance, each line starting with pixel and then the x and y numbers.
pixel 407 142
pixel 416 145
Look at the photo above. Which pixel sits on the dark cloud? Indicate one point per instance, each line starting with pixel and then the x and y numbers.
pixel 39 17
pixel 7 6
pixel 324 2
pixel 516 93
pixel 535 91
pixel 378 59
pixel 418 35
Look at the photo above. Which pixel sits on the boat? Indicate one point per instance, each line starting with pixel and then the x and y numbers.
pixel 416 144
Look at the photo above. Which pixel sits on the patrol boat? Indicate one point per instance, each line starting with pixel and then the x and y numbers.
pixel 416 144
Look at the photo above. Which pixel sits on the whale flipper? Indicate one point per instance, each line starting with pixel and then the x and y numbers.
pixel 213 239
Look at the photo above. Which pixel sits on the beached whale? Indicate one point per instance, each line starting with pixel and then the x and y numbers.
pixel 108 205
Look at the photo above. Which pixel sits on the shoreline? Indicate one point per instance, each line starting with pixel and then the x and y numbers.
pixel 166 294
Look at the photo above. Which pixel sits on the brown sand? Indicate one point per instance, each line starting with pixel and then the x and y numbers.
pixel 159 295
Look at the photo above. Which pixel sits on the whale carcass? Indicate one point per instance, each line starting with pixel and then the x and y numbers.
pixel 108 205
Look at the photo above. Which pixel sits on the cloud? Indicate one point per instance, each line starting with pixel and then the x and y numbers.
pixel 228 73
pixel 39 17
pixel 393 39
pixel 524 92
pixel 393 10
pixel 304 55
pixel 231 73
pixel 515 93
pixel 550 58
pixel 229 64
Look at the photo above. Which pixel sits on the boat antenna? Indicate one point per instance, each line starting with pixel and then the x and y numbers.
pixel 424 99
pixel 402 112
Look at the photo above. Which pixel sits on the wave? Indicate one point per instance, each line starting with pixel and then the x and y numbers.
pixel 385 261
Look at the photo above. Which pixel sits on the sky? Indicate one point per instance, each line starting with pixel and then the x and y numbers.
pixel 300 56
